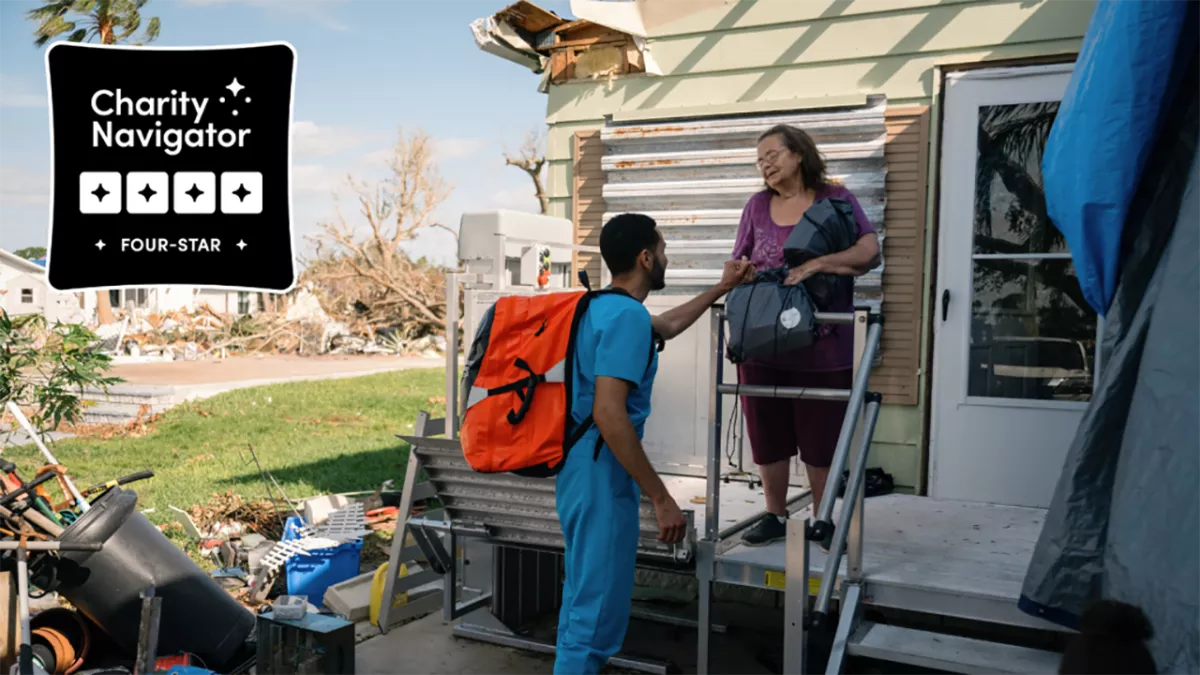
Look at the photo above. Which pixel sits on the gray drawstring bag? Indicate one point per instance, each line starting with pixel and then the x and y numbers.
pixel 768 319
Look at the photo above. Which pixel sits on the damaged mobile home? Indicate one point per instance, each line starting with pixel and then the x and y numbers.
pixel 980 358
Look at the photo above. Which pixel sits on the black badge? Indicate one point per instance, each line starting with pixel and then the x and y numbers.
pixel 171 166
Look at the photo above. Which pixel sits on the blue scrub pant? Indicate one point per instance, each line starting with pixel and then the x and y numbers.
pixel 598 506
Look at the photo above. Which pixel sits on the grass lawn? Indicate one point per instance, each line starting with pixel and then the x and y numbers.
pixel 318 437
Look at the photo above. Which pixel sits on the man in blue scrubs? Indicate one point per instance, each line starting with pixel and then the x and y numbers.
pixel 598 492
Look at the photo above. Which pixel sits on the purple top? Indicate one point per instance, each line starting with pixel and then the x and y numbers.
pixel 761 240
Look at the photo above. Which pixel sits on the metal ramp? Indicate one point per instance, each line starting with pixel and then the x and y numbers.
pixel 936 574
pixel 514 572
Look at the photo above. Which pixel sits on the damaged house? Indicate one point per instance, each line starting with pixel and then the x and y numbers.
pixel 987 358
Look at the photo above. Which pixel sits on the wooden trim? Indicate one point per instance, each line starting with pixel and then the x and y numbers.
pixel 586 202
pixel 1040 60
pixel 898 375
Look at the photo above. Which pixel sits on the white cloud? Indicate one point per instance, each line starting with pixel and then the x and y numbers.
pixel 377 159
pixel 317 11
pixel 313 140
pixel 515 199
pixel 16 93
pixel 444 150
pixel 458 148
pixel 22 186
pixel 317 179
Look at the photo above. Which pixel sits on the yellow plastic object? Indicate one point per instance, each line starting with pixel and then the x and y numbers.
pixel 377 584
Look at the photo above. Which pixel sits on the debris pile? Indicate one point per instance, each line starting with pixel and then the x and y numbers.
pixel 303 327
pixel 228 515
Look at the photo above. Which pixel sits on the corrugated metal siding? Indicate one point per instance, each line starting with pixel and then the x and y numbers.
pixel 695 176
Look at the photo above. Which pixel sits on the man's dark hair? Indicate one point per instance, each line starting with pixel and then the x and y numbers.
pixel 1112 639
pixel 623 239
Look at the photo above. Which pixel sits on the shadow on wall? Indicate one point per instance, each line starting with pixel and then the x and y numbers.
pixel 808 39
pixel 1040 26
pixel 1032 30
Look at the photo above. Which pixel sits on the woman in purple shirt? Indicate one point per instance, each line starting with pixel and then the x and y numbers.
pixel 794 172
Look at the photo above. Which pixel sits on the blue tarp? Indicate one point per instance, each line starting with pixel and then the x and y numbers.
pixel 1125 190
pixel 1109 117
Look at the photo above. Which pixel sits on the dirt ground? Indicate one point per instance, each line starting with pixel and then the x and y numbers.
pixel 267 368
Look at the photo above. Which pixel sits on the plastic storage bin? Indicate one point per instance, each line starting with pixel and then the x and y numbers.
pixel 311 574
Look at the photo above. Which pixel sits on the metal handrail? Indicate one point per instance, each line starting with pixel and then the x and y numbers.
pixel 824 521
pixel 849 504
pixel 868 330
pixel 823 524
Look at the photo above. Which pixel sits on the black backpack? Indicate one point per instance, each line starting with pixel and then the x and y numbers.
pixel 828 226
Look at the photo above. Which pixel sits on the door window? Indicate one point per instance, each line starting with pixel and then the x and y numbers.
pixel 1032 334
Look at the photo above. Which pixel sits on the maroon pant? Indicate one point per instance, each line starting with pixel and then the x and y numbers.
pixel 779 428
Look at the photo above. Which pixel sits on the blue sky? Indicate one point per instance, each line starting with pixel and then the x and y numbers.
pixel 365 68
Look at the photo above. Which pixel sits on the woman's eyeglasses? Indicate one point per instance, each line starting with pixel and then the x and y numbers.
pixel 768 158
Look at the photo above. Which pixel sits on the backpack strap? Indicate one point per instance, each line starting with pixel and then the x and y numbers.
pixel 657 344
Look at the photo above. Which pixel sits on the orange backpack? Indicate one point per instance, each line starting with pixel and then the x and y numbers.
pixel 516 393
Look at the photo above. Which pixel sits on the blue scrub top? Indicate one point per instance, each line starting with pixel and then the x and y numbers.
pixel 614 341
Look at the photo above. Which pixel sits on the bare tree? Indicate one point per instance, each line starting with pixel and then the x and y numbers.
pixel 365 270
pixel 531 159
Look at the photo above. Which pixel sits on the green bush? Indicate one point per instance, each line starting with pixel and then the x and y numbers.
pixel 47 367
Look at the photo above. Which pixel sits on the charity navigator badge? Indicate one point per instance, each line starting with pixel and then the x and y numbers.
pixel 171 166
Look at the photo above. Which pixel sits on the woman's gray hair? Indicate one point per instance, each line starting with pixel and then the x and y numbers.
pixel 812 164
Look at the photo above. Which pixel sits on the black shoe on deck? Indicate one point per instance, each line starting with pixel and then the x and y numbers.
pixel 768 530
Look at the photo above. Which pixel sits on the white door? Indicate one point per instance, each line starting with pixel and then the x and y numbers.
pixel 1014 340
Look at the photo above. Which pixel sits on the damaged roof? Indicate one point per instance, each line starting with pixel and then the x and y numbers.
pixel 528 17
pixel 557 48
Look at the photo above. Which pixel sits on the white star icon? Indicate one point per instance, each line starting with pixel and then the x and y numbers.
pixel 234 87
pixel 100 244
pixel 241 245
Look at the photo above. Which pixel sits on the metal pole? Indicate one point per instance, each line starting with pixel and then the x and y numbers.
pixel 795 624
pixel 48 546
pixel 450 581
pixel 834 317
pixel 854 550
pixel 712 505
pixel 766 391
pixel 25 657
pixel 854 489
pixel 705 563
pixel 24 422
pixel 500 268
pixel 825 514
pixel 452 313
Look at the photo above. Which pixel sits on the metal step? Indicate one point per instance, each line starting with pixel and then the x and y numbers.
pixel 950 653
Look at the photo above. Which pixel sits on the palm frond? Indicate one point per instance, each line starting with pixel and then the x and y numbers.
pixel 153 28
pixel 47 11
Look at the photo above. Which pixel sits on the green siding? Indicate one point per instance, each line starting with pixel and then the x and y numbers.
pixel 776 51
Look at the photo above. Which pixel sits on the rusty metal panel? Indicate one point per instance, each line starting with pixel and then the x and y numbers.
pixel 694 176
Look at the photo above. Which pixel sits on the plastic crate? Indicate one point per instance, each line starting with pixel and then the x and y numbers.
pixel 313 573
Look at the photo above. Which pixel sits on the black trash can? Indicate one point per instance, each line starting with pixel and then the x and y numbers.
pixel 197 615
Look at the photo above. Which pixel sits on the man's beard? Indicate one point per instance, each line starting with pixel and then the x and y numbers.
pixel 658 276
